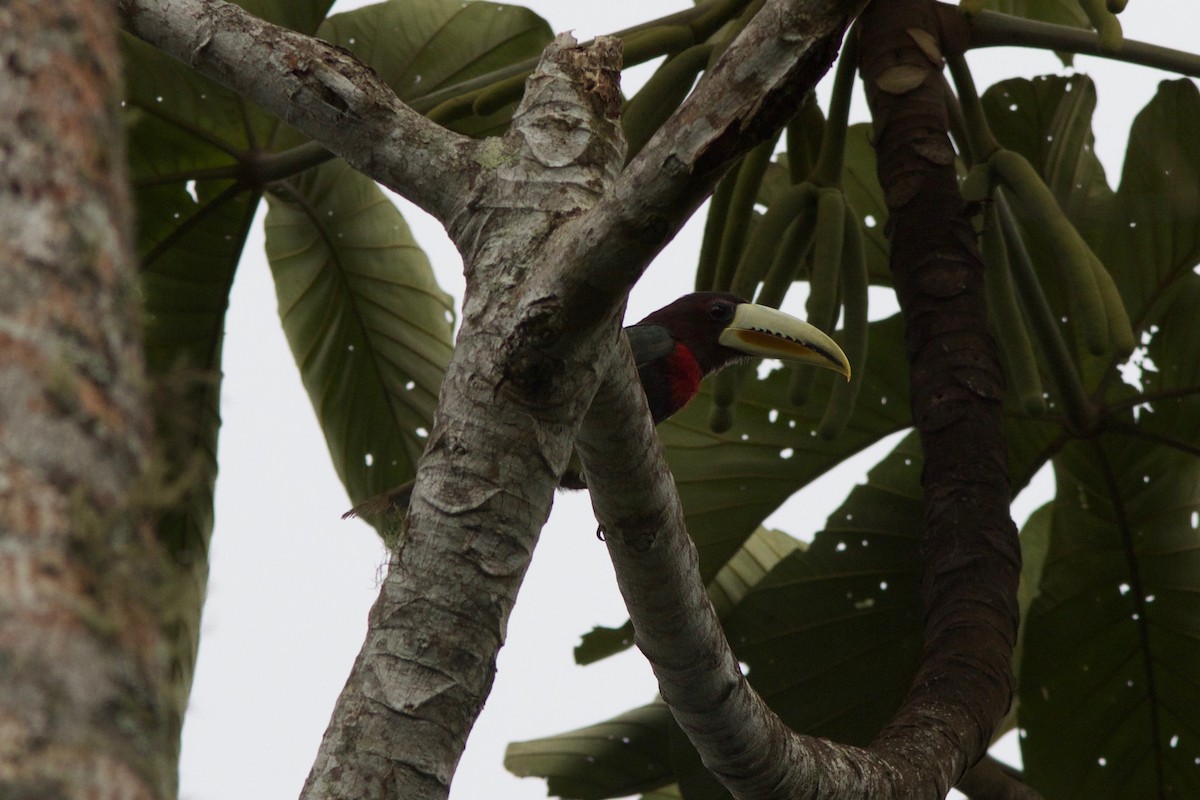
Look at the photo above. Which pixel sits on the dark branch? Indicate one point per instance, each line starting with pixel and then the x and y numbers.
pixel 972 557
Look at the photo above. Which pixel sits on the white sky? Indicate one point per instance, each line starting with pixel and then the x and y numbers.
pixel 291 583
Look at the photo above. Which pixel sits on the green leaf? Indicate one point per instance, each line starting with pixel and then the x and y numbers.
pixel 367 323
pixel 601 642
pixel 1048 120
pixel 192 222
pixel 1148 232
pixel 1121 518
pixel 421 46
pixel 1110 679
pixel 299 15
pixel 623 756
pixel 1035 541
pixel 833 633
pixel 754 561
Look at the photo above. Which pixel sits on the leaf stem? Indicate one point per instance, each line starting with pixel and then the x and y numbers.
pixel 993 29
pixel 981 142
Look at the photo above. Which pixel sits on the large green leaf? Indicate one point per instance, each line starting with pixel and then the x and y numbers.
pixel 366 321
pixel 1148 232
pixel 421 46
pixel 1107 699
pixel 1110 683
pixel 616 758
pixel 1048 120
pixel 192 222
pixel 832 634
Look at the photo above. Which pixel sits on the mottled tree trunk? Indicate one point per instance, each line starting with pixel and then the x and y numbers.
pixel 81 655
pixel 970 545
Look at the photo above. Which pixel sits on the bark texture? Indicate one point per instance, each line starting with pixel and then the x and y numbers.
pixel 507 414
pixel 972 557
pixel 82 659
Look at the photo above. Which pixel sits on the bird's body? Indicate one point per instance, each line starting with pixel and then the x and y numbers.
pixel 669 373
pixel 677 346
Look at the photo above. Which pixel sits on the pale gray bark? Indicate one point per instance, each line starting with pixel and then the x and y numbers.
pixel 508 411
pixel 83 711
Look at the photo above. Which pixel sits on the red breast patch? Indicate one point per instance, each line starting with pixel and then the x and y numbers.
pixel 684 375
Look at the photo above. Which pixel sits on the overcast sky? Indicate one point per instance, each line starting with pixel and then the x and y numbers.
pixel 291 583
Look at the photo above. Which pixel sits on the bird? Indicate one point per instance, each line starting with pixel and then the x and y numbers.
pixel 679 345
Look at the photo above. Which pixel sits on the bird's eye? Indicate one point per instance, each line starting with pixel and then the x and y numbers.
pixel 721 312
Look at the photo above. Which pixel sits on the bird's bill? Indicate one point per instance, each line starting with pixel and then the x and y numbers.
pixel 770 333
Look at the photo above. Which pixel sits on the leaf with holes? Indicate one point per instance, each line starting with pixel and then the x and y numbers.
pixel 615 758
pixel 1110 679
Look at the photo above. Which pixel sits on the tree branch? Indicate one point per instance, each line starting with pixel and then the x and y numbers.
pixel 964 681
pixel 321 90
pixel 738 737
pixel 972 558
pixel 507 414
pixel 755 87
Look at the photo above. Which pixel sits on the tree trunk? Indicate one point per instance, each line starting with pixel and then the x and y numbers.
pixel 82 660
pixel 972 556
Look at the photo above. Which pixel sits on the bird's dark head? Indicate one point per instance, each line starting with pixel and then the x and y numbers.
pixel 721 328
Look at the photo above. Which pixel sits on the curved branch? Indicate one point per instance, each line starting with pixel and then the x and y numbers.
pixel 321 90
pixel 738 737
